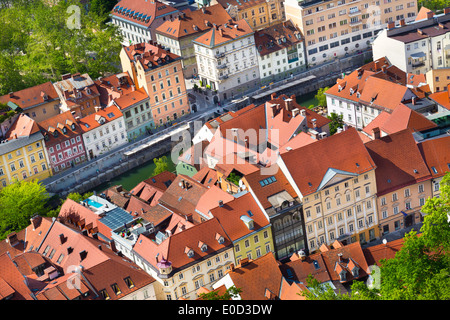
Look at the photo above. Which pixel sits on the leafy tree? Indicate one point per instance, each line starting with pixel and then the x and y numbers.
pixel 336 122
pixel 434 5
pixel 230 293
pixel 18 203
pixel 320 96
pixel 318 291
pixel 44 46
pixel 161 164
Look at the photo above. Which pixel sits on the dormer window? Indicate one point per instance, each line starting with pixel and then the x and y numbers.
pixel 355 272
pixel 220 238
pixel 189 252
pixel 342 276
pixel 64 130
pixel 203 247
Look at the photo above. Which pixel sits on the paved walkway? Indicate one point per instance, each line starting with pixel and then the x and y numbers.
pixel 391 236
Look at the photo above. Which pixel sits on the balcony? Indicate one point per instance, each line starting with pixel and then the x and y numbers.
pixel 355 22
pixel 219 55
pixel 221 66
pixel 418 64
pixel 223 77
pixel 354 13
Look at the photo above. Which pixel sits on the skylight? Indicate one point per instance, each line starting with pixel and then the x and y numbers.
pixel 111 115
pixel 267 181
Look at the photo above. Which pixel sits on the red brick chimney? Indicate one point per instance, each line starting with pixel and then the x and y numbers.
pixel 447 10
pixel 391 25
pixel 376 133
pixel 430 14
pixel 402 22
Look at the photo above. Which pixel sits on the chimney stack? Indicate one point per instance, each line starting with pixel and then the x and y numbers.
pixel 340 257
pixel 62 239
pixel 413 100
pixel 220 203
pixel 430 15
pixel 447 10
pixel 391 25
pixel 273 96
pixel 288 104
pixel 402 22
pixel 35 221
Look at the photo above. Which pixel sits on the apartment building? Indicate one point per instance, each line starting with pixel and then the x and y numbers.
pixel 22 154
pixel 39 102
pixel 187 259
pixel 281 51
pixel 159 73
pixel 176 35
pixel 438 79
pixel 63 141
pixel 364 94
pixel 337 28
pixel 226 59
pixel 416 47
pixel 282 207
pixel 138 20
pixel 77 93
pixel 338 189
pixel 103 131
pixel 259 14
pixel 247 227
pixel 403 180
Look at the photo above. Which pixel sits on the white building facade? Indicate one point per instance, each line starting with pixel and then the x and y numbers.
pixel 229 63
pixel 417 47
pixel 103 131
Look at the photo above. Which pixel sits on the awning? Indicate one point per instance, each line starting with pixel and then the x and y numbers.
pixel 278 199
pixel 418 55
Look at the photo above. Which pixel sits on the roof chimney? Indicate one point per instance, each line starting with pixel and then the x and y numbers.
pixel 447 10
pixel 36 221
pixel 402 22
pixel 220 203
pixel 391 25
pixel 430 14
pixel 273 96
pixel 288 103
pixel 340 257
pixel 62 239
pixel 83 255
pixel 12 239
pixel 244 261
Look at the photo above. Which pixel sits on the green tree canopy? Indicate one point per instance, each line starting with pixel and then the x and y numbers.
pixel 53 40
pixel 162 164
pixel 336 122
pixel 230 293
pixel 320 96
pixel 18 203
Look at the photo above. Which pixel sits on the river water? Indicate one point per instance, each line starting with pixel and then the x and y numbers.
pixel 131 178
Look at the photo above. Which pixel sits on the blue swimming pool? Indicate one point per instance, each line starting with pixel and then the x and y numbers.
pixel 93 203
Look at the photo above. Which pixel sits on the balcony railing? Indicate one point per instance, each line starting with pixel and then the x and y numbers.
pixel 354 13
pixel 223 77
pixel 219 55
pixel 221 66
pixel 355 23
pixel 418 64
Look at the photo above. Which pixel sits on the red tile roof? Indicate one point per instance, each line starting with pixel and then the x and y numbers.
pixel 149 55
pixel 277 37
pixel 224 33
pixel 206 176
pixel 297 270
pixel 259 279
pixel 150 10
pixel 92 121
pixel 398 160
pixel 173 248
pixel 308 165
pixel 375 254
pixel 24 126
pixel 31 97
pixel 188 22
pixel 401 118
pixel 442 98
pixel 229 216
pixel 263 193
pixel 114 86
pixel 12 281
pixel 436 153
pixel 56 124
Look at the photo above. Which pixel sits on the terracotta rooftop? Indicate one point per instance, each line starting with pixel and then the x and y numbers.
pixel 398 160
pixel 206 176
pixel 24 126
pixel 76 88
pixel 141 12
pixel 12 282
pixel 93 120
pixel 277 37
pixel 442 98
pixel 231 213
pixel 59 128
pixel 173 248
pixel 114 86
pixel 224 33
pixel 188 22
pixel 297 270
pixel 401 118
pixel 309 164
pixel 31 97
pixel 150 55
pixel 259 279
pixel 436 153
pixel 264 191
pixel 375 254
